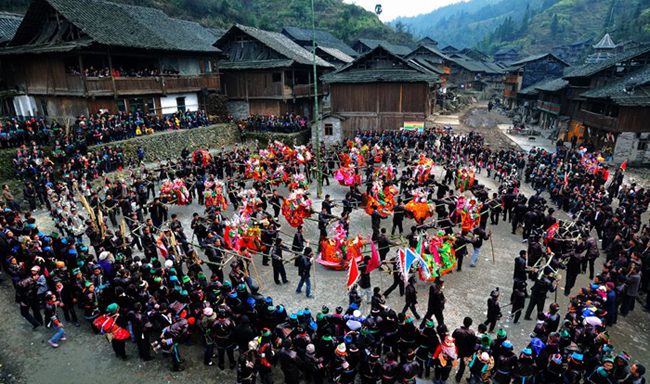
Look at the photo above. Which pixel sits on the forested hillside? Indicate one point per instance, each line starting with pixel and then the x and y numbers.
pixel 531 26
pixel 346 21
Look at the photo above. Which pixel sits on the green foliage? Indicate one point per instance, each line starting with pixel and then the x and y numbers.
pixel 346 21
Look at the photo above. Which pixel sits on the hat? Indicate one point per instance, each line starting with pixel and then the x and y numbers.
pixel 507 344
pixel 623 355
pixel 173 278
pixel 266 332
pixel 429 323
pixel 36 268
pixel 577 356
pixel 485 356
pixel 208 311
pixel 501 333
pixel 557 359
pixel 186 279
pixel 354 306
pixel 112 309
pixel 311 348
pixel 610 285
pixel 104 255
pixel 527 351
pixel 341 350
pixel 356 313
pixel 75 271
pixel 169 263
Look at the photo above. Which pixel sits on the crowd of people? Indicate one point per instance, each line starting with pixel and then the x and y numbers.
pixel 120 72
pixel 142 280
pixel 98 128
pixel 287 123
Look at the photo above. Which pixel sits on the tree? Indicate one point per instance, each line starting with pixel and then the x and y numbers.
pixel 526 20
pixel 555 25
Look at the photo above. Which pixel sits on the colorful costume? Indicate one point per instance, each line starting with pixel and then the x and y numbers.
pixel 298 181
pixel 297 207
pixel 174 192
pixel 439 255
pixel 418 208
pixel 423 169
pixel 469 212
pixel 464 179
pixel 381 197
pixel 202 157
pixel 215 195
pixel 337 252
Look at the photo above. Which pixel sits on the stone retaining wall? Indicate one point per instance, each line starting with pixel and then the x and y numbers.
pixel 170 144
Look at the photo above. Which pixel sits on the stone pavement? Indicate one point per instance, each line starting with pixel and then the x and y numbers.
pixel 525 142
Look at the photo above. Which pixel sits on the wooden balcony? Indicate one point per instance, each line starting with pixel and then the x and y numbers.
pixel 76 85
pixel 549 107
pixel 307 90
pixel 596 120
pixel 511 80
pixel 509 93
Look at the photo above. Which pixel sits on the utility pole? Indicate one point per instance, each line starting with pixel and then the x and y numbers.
pixel 319 176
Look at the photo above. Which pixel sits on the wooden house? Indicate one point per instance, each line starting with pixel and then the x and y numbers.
pixel 333 56
pixel 429 42
pixel 73 57
pixel 609 105
pixel 379 90
pixel 366 45
pixel 506 55
pixel 267 73
pixel 303 37
pixel 9 23
pixel 526 72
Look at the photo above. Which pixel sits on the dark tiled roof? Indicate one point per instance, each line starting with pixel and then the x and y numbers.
pixel 9 24
pixel 255 64
pixel 552 85
pixel 535 58
pixel 409 73
pixel 397 49
pixel 381 76
pixel 45 48
pixel 592 69
pixel 323 38
pixel 426 64
pixel 279 43
pixel 119 25
pixel 528 91
pixel 503 51
pixel 337 54
pixel 478 66
pixel 630 90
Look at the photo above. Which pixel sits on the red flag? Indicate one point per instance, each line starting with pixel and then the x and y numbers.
pixel 374 259
pixel 353 273
pixel 566 178
pixel 624 165
pixel 226 237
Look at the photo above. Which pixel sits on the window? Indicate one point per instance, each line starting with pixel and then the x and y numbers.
pixel 329 129
pixel 180 104
pixel 643 145
pixel 151 107
pixel 121 105
pixel 277 77
pixel 44 108
pixel 136 105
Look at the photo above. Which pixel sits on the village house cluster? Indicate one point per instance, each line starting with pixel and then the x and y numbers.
pixel 70 58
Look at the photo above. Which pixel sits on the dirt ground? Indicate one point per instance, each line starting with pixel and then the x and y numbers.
pixel 85 358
